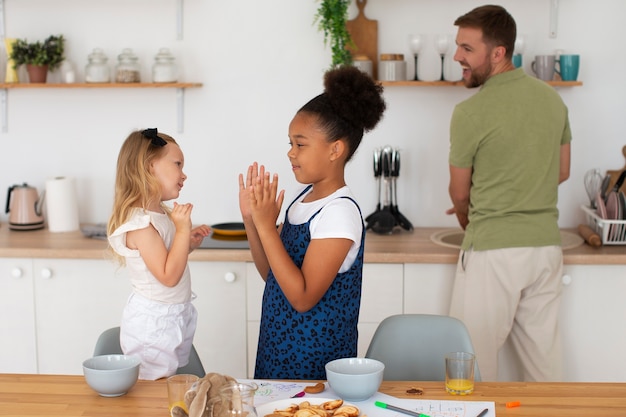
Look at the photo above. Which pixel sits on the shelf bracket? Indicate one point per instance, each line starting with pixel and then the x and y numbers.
pixel 554 17
pixel 180 111
pixel 2 30
pixel 179 19
pixel 3 109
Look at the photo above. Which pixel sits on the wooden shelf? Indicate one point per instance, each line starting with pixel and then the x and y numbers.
pixel 100 85
pixel 460 83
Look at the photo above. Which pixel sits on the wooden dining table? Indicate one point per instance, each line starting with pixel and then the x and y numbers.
pixel 69 395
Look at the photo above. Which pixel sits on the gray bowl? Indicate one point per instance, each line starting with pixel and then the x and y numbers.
pixel 355 379
pixel 111 375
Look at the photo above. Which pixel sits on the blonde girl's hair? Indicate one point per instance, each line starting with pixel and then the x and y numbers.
pixel 135 185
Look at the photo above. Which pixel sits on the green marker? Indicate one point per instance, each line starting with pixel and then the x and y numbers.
pixel 398 409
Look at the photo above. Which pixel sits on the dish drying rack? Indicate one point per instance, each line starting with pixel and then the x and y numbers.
pixel 613 232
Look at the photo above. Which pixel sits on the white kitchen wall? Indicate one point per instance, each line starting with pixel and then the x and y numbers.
pixel 259 62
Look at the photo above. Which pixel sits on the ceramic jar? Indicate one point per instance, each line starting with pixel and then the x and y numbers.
pixel 127 69
pixel 363 63
pixel 392 67
pixel 97 69
pixel 164 68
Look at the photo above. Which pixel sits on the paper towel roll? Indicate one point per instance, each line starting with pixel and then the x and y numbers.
pixel 62 204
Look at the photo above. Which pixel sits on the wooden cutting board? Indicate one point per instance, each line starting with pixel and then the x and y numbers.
pixel 614 174
pixel 364 34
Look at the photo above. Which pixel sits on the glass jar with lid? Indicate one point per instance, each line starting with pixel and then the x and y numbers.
pixel 392 67
pixel 127 69
pixel 97 69
pixel 164 69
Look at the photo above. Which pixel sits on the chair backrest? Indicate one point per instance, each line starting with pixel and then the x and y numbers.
pixel 413 346
pixel 108 343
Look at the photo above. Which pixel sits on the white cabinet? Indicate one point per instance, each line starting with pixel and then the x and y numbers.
pixel 592 317
pixel 427 288
pixel 18 350
pixel 75 300
pixel 381 296
pixel 53 310
pixel 221 303
pixel 593 323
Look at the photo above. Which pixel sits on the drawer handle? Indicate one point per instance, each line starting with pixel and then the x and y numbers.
pixel 46 273
pixel 566 279
pixel 17 272
pixel 230 277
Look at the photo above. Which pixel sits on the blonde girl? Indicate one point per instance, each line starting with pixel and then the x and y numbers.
pixel 154 241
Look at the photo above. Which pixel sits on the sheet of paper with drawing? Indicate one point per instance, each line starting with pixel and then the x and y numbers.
pixel 430 408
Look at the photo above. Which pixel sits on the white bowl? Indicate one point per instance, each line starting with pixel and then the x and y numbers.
pixel 355 379
pixel 111 375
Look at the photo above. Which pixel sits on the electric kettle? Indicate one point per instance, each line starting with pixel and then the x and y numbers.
pixel 24 207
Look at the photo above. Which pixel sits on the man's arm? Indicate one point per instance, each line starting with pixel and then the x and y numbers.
pixel 459 189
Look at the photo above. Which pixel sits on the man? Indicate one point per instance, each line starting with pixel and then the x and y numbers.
pixel 509 151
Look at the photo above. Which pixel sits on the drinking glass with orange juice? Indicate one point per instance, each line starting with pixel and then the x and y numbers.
pixel 460 373
pixel 177 387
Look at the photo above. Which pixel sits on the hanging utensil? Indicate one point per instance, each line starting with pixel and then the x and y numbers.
pixel 395 173
pixel 593 182
pixel 604 186
pixel 383 221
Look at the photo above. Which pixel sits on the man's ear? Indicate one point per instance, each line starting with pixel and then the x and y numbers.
pixel 498 54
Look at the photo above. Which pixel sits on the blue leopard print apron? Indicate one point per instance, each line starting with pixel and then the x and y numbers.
pixel 295 345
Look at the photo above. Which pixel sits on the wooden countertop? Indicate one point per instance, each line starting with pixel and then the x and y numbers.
pixel 400 247
pixel 68 396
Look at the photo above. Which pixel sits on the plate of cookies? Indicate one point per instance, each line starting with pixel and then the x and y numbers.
pixel 315 407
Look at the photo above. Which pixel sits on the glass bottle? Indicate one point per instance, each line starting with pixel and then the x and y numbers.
pixel 97 69
pixel 127 70
pixel 164 69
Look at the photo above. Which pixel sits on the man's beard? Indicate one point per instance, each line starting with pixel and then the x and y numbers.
pixel 478 77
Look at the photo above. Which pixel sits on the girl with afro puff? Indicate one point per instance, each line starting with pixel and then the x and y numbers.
pixel 312 263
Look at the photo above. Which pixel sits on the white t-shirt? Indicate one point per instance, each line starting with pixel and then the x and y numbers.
pixel 339 218
pixel 142 280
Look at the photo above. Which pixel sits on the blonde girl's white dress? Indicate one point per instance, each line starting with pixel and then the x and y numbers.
pixel 158 322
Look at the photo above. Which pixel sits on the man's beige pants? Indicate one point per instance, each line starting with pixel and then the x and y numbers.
pixel 512 293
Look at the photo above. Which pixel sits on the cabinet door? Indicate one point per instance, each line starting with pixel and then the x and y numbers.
pixel 381 297
pixel 593 323
pixel 75 300
pixel 221 303
pixel 428 288
pixel 17 317
pixel 254 295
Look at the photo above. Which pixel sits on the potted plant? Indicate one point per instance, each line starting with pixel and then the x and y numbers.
pixel 331 17
pixel 39 57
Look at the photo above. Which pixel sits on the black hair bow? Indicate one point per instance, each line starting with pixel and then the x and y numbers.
pixel 154 137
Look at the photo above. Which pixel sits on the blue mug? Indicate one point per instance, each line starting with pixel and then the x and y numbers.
pixel 568 67
pixel 517 60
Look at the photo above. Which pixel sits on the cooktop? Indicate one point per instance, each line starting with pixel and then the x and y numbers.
pixel 214 241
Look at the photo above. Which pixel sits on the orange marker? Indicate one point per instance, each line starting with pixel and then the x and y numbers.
pixel 513 404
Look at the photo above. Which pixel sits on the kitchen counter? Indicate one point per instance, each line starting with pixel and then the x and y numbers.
pixel 400 247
